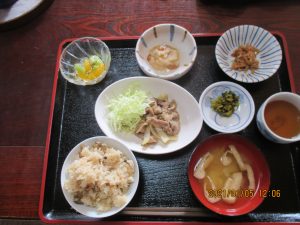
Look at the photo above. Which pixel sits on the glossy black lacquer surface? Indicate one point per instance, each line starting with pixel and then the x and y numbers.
pixel 163 179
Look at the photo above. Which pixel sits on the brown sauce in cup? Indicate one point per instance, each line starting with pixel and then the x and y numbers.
pixel 283 118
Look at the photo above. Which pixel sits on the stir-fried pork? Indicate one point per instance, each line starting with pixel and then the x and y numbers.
pixel 162 116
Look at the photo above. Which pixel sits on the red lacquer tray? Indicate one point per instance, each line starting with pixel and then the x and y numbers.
pixel 164 194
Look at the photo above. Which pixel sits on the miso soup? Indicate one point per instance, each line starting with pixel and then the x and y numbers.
pixel 283 118
pixel 224 174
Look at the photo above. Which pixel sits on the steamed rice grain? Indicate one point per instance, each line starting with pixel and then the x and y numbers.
pixel 100 178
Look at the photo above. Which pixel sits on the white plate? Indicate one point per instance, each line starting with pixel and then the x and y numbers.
pixel 269 57
pixel 241 117
pixel 73 155
pixel 190 116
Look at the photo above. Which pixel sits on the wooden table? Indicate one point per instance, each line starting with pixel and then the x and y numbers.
pixel 28 57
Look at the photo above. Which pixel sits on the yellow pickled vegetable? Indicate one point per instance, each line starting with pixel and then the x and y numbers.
pixel 90 68
pixel 87 65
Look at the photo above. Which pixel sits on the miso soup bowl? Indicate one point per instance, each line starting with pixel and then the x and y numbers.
pixel 261 122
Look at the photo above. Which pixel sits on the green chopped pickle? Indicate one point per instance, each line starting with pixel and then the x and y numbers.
pixel 225 104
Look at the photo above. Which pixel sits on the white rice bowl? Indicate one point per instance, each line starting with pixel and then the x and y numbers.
pixel 99 177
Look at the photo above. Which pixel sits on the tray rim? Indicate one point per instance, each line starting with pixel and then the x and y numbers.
pixel 44 219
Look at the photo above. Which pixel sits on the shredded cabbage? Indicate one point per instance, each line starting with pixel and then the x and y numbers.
pixel 125 110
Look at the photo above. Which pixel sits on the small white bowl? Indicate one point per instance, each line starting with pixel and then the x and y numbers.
pixel 79 49
pixel 262 125
pixel 241 117
pixel 73 155
pixel 269 57
pixel 187 107
pixel 174 36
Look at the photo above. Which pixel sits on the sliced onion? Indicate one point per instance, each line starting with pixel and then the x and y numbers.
pixel 163 136
pixel 147 136
pixel 154 132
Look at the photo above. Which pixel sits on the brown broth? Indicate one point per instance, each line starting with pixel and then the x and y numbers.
pixel 283 118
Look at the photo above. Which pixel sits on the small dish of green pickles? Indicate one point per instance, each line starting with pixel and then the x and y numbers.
pixel 226 107
pixel 225 104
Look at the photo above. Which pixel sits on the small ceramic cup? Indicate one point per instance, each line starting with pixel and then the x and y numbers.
pixel 260 119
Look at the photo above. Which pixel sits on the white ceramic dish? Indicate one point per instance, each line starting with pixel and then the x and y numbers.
pixel 242 116
pixel 261 122
pixel 174 36
pixel 73 155
pixel 187 107
pixel 269 57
